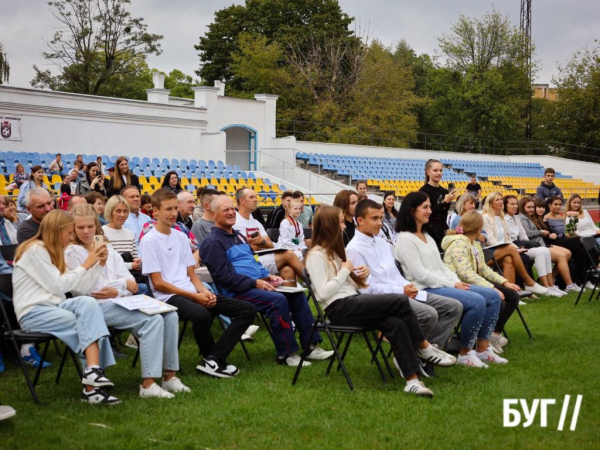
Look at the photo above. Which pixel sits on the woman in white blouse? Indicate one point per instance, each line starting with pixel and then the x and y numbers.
pixel 508 256
pixel 585 226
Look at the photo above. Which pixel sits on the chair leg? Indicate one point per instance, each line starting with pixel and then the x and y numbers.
pixel 243 345
pixel 185 324
pixel 585 280
pixel 39 370
pixel 137 352
pixel 57 348
pixel 372 350
pixel 348 341
pixel 338 346
pixel 379 349
pixel 25 373
pixel 524 323
pixel 77 363
pixel 63 360
pixel 304 352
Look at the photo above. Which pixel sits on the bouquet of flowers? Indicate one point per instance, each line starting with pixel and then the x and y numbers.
pixel 571 226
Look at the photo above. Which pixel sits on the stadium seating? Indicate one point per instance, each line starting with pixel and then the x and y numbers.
pixel 404 175
pixel 192 173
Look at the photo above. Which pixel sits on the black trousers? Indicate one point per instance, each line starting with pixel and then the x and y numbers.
pixel 509 304
pixel 579 258
pixel 241 313
pixel 389 313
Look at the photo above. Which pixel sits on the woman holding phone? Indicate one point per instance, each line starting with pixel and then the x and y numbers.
pixel 93 181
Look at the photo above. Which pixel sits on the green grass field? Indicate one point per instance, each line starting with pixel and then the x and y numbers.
pixel 260 409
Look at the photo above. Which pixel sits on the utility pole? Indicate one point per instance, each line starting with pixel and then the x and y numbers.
pixel 525 28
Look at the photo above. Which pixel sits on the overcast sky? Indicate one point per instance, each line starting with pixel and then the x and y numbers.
pixel 559 27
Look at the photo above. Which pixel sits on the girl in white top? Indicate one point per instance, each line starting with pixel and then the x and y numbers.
pixel 540 255
pixel 40 282
pixel 508 256
pixel 291 233
pixel 586 226
pixel 157 333
pixel 336 281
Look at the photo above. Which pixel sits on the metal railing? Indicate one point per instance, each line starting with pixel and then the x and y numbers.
pixel 360 135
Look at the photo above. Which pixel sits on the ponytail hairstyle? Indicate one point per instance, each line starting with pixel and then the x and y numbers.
pixel 327 234
pixel 86 211
pixel 470 223
pixel 49 236
pixel 428 165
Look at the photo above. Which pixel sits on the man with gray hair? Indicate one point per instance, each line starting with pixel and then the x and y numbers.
pixel 185 201
pixel 284 263
pixel 38 203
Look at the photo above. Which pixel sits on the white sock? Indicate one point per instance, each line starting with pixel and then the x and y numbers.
pixel 25 350
pixel 90 368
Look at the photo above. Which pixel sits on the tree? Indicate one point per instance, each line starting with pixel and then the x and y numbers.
pixel 4 66
pixel 99 41
pixel 285 22
pixel 482 88
pixel 577 111
pixel 180 84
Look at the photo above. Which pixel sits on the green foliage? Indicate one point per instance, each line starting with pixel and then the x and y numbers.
pixel 4 66
pixel 576 118
pixel 98 43
pixel 180 84
pixel 290 23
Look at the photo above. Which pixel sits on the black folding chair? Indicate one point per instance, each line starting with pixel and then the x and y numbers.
pixel 18 337
pixel 273 234
pixel 488 255
pixel 307 233
pixel 322 324
pixel 8 251
pixel 592 250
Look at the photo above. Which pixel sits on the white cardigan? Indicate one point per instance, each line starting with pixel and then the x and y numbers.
pixel 114 274
pixel 422 263
pixel 36 281
pixel 330 281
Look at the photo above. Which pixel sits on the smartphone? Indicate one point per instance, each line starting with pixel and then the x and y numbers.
pixel 451 187
pixel 254 235
pixel 99 239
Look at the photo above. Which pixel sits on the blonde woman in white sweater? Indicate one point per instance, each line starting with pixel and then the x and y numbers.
pixel 336 282
pixel 508 256
pixel 40 282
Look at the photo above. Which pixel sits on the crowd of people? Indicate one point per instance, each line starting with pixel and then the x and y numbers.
pixel 414 273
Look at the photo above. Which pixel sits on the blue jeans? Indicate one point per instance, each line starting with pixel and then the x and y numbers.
pixel 157 334
pixel 481 307
pixel 78 322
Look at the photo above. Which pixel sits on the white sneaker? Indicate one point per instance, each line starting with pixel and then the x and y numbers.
pixel 318 354
pixel 522 303
pixel 250 332
pixel 418 388
pixel 130 342
pixel 471 360
pixel 537 289
pixel 6 412
pixel 292 361
pixel 97 396
pixel 553 291
pixel 496 343
pixel 436 356
pixel 589 285
pixel 154 391
pixel 490 357
pixel 175 385
pixel 573 288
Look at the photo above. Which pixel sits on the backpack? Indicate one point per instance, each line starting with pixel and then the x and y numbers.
pixel 63 201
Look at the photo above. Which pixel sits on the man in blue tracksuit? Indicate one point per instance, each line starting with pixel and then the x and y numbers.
pixel 238 273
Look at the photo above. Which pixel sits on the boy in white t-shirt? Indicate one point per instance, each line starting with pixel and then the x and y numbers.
pixel 286 264
pixel 168 261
